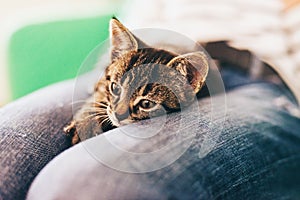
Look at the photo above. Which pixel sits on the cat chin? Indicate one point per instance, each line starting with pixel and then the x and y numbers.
pixel 118 123
pixel 126 122
pixel 114 120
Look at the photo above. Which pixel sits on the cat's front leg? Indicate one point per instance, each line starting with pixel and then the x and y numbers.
pixel 70 131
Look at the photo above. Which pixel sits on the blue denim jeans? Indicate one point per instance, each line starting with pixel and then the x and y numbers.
pixel 256 156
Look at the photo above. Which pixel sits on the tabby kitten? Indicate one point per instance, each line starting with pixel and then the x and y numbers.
pixel 140 82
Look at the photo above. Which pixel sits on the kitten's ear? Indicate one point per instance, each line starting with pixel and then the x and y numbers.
pixel 122 40
pixel 194 66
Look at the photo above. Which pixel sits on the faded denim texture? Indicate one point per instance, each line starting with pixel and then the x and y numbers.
pixel 256 156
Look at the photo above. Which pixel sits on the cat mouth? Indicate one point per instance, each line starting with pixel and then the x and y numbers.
pixel 114 120
pixel 107 125
pixel 112 117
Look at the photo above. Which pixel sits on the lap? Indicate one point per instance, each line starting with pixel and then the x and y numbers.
pixel 31 135
pixel 256 155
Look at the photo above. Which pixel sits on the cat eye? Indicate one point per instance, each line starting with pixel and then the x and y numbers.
pixel 146 104
pixel 115 89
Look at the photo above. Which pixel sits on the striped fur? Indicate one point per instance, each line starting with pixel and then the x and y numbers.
pixel 141 82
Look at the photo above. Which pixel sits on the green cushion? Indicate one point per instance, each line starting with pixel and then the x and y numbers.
pixel 46 53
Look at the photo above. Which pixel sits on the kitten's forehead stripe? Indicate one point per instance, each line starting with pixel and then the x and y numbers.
pixel 146 89
pixel 126 79
pixel 143 63
pixel 146 56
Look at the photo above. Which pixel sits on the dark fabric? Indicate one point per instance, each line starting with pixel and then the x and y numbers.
pixel 255 157
pixel 31 135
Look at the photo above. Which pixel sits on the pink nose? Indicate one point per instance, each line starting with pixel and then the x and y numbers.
pixel 122 117
pixel 121 112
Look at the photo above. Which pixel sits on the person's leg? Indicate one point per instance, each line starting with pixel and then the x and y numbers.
pixel 31 134
pixel 255 157
pixel 31 131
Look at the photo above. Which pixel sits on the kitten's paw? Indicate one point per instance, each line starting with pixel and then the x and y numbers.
pixel 70 130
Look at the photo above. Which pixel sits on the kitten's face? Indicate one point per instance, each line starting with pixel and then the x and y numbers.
pixel 142 82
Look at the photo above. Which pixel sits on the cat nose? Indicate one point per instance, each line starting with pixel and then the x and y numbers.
pixel 121 109
pixel 121 112
pixel 122 116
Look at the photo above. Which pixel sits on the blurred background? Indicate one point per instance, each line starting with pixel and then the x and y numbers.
pixel 42 42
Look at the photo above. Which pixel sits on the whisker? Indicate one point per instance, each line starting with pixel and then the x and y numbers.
pixel 102 117
pixel 94 111
pixel 96 114
pixel 99 108
pixel 99 103
pixel 105 120
pixel 90 116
